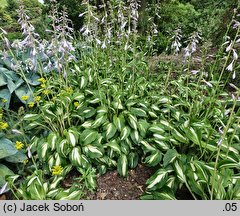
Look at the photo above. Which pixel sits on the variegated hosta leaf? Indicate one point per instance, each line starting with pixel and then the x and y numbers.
pixel 83 82
pixel 169 157
pixel 166 125
pixel 178 136
pixel 42 150
pixel 72 137
pixel 111 130
pixel 132 120
pixel 135 136
pixel 133 160
pixel 138 112
pixel 87 112
pixel 154 158
pixel 143 126
pixel 163 146
pixel 100 119
pixel 178 167
pixel 88 136
pixel 125 133
pixel 102 110
pixel 93 151
pixel 64 148
pixel 192 134
pixel 122 165
pixel 119 122
pixel 152 114
pixel 74 195
pixel 125 147
pixel 78 96
pixel 156 129
pixel 114 146
pixel 147 147
pixel 158 179
pixel 75 156
pixel 31 117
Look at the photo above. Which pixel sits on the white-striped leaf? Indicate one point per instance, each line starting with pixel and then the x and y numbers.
pixel 154 158
pixel 114 146
pixel 179 170
pixel 99 121
pixel 52 140
pixel 132 120
pixel 93 151
pixel 138 112
pixel 31 117
pixel 158 179
pixel 75 156
pixel 42 150
pixel 111 130
pixel 125 133
pixel 156 129
pixel 122 165
pixel 88 136
pixel 83 82
pixel 119 122
pixel 147 147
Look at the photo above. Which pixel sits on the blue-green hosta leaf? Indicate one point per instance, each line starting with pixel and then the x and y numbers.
pixel 5 94
pixel 125 133
pixel 154 158
pixel 122 165
pixel 138 112
pixel 3 80
pixel 158 179
pixel 4 171
pixel 19 157
pixel 93 151
pixel 7 148
pixel 119 122
pixel 88 136
pixel 111 130
pixel 169 157
pixel 133 159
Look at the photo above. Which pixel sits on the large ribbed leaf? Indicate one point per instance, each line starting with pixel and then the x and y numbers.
pixel 7 148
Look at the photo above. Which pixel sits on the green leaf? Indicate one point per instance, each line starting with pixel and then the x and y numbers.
pixel 138 112
pixel 72 137
pixel 156 129
pixel 31 117
pixel 122 165
pixel 178 136
pixel 179 170
pixel 119 122
pixel 6 148
pixel 93 151
pixel 154 158
pixel 135 136
pixel 42 150
pixel 169 157
pixel 75 156
pixel 88 136
pixel 87 112
pixel 83 82
pixel 147 147
pixel 4 171
pixel 99 121
pixel 133 160
pixel 19 157
pixel 52 140
pixel 125 133
pixel 132 120
pixel 114 146
pixel 64 148
pixel 158 179
pixel 111 130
